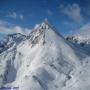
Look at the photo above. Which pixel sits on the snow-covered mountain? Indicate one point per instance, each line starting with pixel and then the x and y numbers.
pixel 10 40
pixel 43 60
pixel 83 34
pixel 81 39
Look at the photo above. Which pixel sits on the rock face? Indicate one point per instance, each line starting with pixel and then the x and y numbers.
pixel 43 60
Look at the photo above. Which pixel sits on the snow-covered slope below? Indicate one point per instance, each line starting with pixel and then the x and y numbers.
pixel 44 60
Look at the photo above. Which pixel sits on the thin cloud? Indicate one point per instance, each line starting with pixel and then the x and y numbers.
pixel 14 15
pixel 49 12
pixel 6 29
pixel 21 17
pixel 72 11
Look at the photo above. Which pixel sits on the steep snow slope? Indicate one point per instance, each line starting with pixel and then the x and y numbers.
pixel 7 56
pixel 44 60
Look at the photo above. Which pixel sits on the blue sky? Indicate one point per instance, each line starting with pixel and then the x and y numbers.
pixel 66 15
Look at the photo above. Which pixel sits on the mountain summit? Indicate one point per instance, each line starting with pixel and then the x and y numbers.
pixel 44 60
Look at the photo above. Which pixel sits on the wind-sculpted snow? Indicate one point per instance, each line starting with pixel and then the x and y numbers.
pixel 43 60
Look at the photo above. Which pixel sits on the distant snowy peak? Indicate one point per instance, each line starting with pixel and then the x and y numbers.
pixel 17 37
pixel 10 40
pixel 84 33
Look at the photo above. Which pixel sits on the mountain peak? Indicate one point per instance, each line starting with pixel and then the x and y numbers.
pixel 45 24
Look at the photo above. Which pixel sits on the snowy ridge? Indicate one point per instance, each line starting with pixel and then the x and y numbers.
pixel 83 34
pixel 10 40
pixel 44 60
